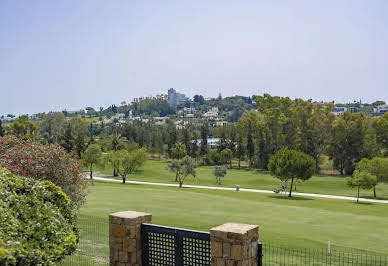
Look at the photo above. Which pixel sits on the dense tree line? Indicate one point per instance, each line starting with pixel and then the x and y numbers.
pixel 268 125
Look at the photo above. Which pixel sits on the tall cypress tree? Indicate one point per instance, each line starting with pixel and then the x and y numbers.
pixel 240 151
pixel 204 148
pixel 1 129
pixel 67 139
pixel 250 145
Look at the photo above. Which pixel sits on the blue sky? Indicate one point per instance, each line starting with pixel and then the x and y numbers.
pixel 71 54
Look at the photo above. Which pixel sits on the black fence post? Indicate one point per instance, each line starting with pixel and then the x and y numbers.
pixel 260 254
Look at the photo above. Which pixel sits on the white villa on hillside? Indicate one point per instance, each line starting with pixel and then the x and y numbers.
pixel 339 110
pixel 211 113
pixel 380 110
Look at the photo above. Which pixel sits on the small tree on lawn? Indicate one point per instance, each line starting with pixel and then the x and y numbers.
pixel 178 151
pixel 376 166
pixel 226 156
pixel 113 158
pixel 361 179
pixel 219 172
pixel 131 161
pixel 183 168
pixel 91 156
pixel 291 165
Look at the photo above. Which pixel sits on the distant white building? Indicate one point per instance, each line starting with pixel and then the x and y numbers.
pixel 339 110
pixel 211 113
pixel 380 110
pixel 211 142
pixel 117 118
pixel 221 123
pixel 75 112
pixel 160 120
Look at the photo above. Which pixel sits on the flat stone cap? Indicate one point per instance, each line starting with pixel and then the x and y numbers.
pixel 232 232
pixel 129 214
pixel 235 228
pixel 130 217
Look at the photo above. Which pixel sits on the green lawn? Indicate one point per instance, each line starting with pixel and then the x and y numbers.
pixel 156 171
pixel 298 223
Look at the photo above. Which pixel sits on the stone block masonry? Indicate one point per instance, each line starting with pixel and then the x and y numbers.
pixel 231 244
pixel 234 244
pixel 125 237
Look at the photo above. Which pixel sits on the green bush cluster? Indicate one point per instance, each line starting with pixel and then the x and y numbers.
pixel 37 223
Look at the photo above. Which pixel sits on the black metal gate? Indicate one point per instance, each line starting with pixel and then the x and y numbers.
pixel 173 246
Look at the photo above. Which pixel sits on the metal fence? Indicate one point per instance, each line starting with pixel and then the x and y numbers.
pixel 161 249
pixel 167 246
pixel 93 246
pixel 275 255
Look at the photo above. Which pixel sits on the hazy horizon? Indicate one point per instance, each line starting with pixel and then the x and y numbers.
pixel 72 54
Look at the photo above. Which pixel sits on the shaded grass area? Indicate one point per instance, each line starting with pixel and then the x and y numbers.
pixel 156 171
pixel 297 223
pixel 93 248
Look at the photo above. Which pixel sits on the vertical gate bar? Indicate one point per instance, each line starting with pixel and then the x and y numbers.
pixel 178 248
pixel 144 243
pixel 259 254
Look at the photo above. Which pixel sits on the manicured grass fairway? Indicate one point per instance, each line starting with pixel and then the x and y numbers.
pixel 156 171
pixel 296 223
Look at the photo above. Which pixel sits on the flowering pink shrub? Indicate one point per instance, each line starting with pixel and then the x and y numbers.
pixel 44 162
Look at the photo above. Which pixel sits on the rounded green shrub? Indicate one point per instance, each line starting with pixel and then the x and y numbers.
pixel 37 222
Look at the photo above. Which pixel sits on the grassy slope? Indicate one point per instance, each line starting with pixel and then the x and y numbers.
pixel 156 171
pixel 299 222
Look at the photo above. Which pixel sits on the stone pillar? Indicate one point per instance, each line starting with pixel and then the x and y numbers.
pixel 234 244
pixel 125 237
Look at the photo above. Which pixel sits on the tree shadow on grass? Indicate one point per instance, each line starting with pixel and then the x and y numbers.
pixel 284 197
pixel 362 203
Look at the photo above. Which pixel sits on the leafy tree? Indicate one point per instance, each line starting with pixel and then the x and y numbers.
pixel 44 162
pixel 187 140
pixel 131 161
pixel 377 167
pixel 277 129
pixel 67 137
pixel 250 145
pixel 289 164
pixel 22 127
pixel 204 147
pixel 199 99
pixel 113 158
pixel 178 151
pixel 382 131
pixel 51 126
pixel 226 157
pixel 183 168
pixel 37 222
pixel 215 157
pixel 1 129
pixel 194 147
pixel 351 138
pixel 361 179
pixel 219 172
pixel 80 131
pixel 92 155
pixel 157 142
pixel 313 123
pixel 376 103
pixel 90 111
pixel 117 142
pixel 240 151
pixel 149 105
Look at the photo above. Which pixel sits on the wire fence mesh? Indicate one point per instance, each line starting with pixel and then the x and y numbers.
pixel 274 255
pixel 94 250
pixel 93 246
